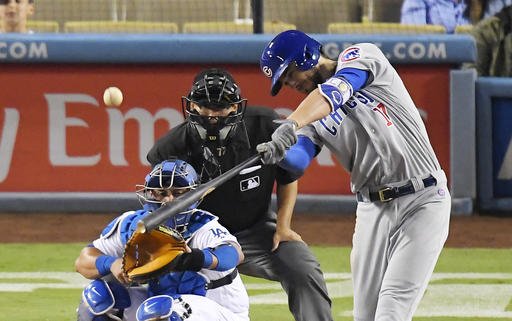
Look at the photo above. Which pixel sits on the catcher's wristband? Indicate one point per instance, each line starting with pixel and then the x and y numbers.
pixel 104 263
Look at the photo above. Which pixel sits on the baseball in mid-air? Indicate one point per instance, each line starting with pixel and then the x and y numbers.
pixel 113 96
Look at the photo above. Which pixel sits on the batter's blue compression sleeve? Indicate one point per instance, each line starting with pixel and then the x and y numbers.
pixel 357 78
pixel 227 257
pixel 338 89
pixel 299 156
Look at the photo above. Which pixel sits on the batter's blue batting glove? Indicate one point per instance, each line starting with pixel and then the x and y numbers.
pixel 283 138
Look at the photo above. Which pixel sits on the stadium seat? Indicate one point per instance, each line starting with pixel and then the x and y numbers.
pixel 42 26
pixel 383 28
pixel 464 29
pixel 181 11
pixel 312 16
pixel 74 10
pixel 119 27
pixel 233 27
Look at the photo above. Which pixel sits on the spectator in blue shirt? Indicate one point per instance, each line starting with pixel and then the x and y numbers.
pixel 492 7
pixel 447 13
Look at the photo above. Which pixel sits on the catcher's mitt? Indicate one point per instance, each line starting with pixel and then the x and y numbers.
pixel 148 255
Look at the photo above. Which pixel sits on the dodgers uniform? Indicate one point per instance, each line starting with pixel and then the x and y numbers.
pixel 379 137
pixel 205 231
pixel 201 308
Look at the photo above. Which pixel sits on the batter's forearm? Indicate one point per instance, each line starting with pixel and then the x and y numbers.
pixel 312 108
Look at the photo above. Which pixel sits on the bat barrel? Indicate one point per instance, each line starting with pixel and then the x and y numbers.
pixel 184 201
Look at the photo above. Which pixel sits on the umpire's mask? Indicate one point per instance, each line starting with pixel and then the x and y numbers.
pixel 214 109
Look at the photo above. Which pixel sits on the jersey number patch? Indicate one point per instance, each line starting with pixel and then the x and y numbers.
pixel 381 109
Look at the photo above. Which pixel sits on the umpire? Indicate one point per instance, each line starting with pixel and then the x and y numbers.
pixel 219 133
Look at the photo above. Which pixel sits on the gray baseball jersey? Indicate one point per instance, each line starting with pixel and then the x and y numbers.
pixel 379 137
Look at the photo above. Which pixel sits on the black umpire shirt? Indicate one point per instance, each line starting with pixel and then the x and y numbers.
pixel 245 199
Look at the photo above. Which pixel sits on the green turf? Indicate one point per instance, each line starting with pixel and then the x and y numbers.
pixel 40 305
pixel 59 304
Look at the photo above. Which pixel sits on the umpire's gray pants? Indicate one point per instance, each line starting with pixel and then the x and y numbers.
pixel 292 264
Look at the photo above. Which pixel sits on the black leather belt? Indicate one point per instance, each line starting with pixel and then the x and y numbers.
pixel 225 280
pixel 387 194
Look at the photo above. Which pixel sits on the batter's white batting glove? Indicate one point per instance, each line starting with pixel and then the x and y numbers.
pixel 283 138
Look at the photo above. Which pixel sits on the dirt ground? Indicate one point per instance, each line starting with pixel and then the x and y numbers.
pixel 465 231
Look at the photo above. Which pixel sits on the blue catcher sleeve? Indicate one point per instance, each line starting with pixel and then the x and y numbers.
pixel 299 156
pixel 226 254
pixel 104 263
pixel 340 87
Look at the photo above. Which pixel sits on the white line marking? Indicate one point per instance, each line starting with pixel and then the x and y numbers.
pixel 447 300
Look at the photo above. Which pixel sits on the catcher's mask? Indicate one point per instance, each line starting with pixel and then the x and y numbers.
pixel 214 92
pixel 171 177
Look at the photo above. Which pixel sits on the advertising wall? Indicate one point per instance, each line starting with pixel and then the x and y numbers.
pixel 62 149
pixel 494 144
pixel 58 136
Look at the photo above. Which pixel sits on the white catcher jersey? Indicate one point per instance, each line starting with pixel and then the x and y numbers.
pixel 378 134
pixel 232 296
pixel 204 309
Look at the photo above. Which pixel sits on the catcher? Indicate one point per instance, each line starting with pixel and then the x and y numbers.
pixel 190 253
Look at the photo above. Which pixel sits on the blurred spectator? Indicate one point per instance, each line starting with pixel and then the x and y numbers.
pixel 492 7
pixel 14 15
pixel 494 45
pixel 447 13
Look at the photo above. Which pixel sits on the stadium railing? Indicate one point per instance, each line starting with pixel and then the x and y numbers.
pixel 231 27
pixel 42 26
pixel 383 28
pixel 120 27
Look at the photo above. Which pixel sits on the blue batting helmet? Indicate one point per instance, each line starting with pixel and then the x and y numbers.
pixel 287 47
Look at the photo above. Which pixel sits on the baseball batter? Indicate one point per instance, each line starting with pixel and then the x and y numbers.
pixel 359 108
pixel 208 270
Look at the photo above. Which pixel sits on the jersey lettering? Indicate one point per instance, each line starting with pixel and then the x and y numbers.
pixel 218 232
pixel 363 98
pixel 351 103
pixel 337 116
pixel 331 129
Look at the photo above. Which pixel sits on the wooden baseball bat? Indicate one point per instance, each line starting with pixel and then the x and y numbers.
pixel 181 203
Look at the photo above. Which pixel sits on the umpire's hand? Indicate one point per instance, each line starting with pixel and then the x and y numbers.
pixel 283 138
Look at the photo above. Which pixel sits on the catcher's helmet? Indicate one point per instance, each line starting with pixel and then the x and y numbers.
pixel 171 176
pixel 287 47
